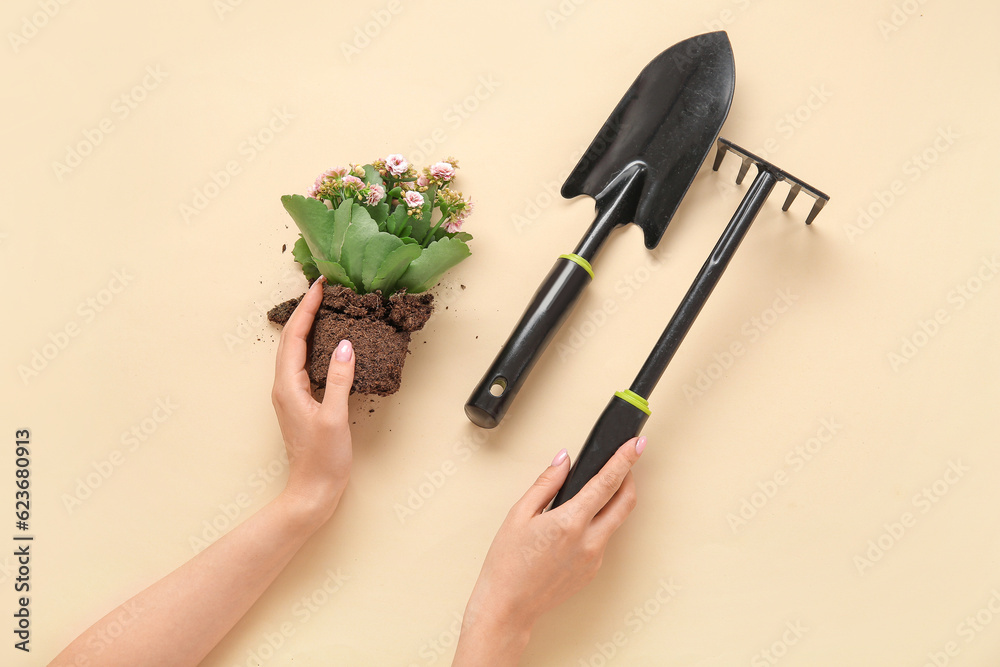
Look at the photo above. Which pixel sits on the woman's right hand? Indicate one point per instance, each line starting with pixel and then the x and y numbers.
pixel 539 559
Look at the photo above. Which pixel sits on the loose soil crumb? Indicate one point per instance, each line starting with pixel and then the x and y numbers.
pixel 380 332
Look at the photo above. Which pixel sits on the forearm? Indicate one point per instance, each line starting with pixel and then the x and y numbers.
pixel 491 638
pixel 179 619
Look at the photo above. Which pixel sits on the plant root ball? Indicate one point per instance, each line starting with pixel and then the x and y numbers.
pixel 378 330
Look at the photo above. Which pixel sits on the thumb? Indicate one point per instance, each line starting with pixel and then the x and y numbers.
pixel 340 376
pixel 547 485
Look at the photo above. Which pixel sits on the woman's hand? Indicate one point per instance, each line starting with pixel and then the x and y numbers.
pixel 317 435
pixel 539 559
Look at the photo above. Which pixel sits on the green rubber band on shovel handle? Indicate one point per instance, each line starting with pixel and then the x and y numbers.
pixel 635 399
pixel 581 261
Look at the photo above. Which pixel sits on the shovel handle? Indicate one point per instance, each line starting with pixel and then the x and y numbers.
pixel 621 420
pixel 552 302
pixel 548 309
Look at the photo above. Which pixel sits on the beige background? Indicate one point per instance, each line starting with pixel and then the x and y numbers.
pixel 871 87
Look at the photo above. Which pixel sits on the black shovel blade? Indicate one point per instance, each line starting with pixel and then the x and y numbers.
pixel 667 122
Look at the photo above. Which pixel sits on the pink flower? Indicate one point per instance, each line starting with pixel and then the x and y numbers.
pixel 422 181
pixel 413 199
pixel 375 194
pixel 466 210
pixel 313 189
pixel 396 164
pixel 354 181
pixel 454 223
pixel 443 171
pixel 332 173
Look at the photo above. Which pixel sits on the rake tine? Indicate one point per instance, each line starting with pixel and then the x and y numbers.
pixel 719 154
pixel 791 197
pixel 744 168
pixel 817 207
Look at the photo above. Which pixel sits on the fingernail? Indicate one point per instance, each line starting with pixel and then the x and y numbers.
pixel 560 457
pixel 640 444
pixel 321 279
pixel 344 350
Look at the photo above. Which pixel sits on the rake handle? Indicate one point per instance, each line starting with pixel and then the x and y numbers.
pixel 704 283
pixel 623 418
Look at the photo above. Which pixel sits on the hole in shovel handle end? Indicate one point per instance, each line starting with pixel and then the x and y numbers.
pixel 498 387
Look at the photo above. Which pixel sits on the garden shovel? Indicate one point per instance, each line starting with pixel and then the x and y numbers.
pixel 638 169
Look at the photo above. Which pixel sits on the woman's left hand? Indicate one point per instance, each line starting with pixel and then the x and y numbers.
pixel 317 435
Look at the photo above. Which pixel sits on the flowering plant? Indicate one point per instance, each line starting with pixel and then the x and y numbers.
pixel 372 227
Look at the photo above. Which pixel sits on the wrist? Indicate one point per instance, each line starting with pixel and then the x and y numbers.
pixel 492 634
pixel 308 508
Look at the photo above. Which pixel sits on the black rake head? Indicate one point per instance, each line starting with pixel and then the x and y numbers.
pixel 798 185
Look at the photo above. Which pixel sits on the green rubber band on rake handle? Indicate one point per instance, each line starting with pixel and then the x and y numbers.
pixel 635 399
pixel 622 419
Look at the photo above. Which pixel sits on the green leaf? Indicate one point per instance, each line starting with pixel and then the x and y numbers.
pixel 352 254
pixel 395 222
pixel 462 236
pixel 372 176
pixel 335 274
pixel 300 251
pixel 360 213
pixel 379 213
pixel 425 271
pixel 341 221
pixel 393 266
pixel 314 220
pixel 378 248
